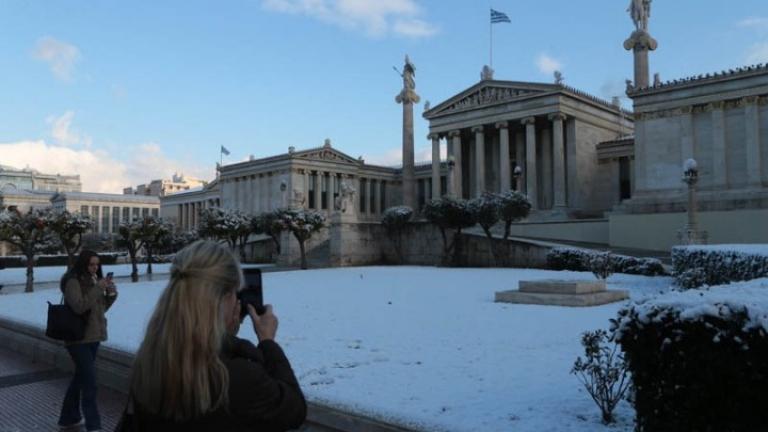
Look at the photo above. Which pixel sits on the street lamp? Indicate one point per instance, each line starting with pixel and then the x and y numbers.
pixel 690 233
pixel 517 174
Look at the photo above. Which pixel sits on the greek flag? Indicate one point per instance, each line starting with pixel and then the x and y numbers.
pixel 224 150
pixel 499 17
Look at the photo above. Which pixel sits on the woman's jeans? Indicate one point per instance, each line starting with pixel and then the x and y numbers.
pixel 82 388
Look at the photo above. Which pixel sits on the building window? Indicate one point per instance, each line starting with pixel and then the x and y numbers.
pixel 84 210
pixel 144 212
pixel 324 192
pixel 156 212
pixel 383 194
pixel 372 205
pixel 625 182
pixel 115 219
pixel 126 215
pixel 95 215
pixel 420 189
pixel 135 215
pixel 105 219
pixel 363 194
pixel 312 180
pixel 443 186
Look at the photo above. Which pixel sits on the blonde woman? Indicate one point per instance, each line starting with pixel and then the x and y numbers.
pixel 192 374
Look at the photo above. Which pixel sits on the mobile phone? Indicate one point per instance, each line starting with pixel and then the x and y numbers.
pixel 252 293
pixel 110 275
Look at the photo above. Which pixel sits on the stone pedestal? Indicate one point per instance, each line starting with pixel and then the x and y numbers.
pixel 561 293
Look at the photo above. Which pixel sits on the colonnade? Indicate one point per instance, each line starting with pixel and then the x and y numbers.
pixel 530 152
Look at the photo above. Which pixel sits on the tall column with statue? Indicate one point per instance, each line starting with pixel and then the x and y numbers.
pixel 408 97
pixel 640 41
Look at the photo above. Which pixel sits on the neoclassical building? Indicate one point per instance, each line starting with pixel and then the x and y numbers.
pixel 29 179
pixel 550 131
pixel 183 208
pixel 314 178
pixel 108 211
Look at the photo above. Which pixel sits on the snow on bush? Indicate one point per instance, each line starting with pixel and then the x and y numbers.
pixel 580 259
pixel 696 266
pixel 699 358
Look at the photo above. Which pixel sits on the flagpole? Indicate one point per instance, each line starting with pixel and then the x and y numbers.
pixel 490 25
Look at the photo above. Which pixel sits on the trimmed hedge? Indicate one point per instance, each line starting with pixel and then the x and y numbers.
pixel 701 366
pixel 699 266
pixel 579 260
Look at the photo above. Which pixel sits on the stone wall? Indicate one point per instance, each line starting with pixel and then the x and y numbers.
pixel 659 231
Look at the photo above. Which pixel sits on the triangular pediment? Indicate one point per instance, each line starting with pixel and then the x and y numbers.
pixel 325 154
pixel 489 92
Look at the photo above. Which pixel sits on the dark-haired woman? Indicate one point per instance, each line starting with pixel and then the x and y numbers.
pixel 86 292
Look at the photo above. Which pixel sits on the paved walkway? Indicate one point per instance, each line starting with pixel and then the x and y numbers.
pixel 31 395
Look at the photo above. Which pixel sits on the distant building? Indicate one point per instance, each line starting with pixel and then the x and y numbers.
pixel 107 210
pixel 163 187
pixel 29 179
pixel 183 209
pixel 25 200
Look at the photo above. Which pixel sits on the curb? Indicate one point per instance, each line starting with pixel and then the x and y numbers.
pixel 113 370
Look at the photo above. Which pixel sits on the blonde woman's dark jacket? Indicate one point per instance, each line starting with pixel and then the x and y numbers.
pixel 264 395
pixel 84 295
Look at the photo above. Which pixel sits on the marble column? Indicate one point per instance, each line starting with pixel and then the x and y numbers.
pixel 545 168
pixel 719 161
pixel 530 161
pixel 558 159
pixel 752 137
pixel 328 192
pixel 307 179
pixel 435 164
pixel 520 157
pixel 505 179
pixel 479 160
pixel 457 174
pixel 318 191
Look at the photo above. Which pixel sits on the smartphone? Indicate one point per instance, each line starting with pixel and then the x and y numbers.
pixel 110 275
pixel 252 293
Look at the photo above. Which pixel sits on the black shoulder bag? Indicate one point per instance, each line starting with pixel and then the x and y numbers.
pixel 64 324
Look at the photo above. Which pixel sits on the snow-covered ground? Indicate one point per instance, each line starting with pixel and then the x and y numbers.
pixel 18 275
pixel 415 345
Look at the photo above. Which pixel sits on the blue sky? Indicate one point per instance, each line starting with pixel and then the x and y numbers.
pixel 123 92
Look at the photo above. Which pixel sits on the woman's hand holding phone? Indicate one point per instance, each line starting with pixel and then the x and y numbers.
pixel 265 325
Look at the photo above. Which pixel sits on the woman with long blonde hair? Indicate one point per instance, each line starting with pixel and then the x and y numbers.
pixel 192 373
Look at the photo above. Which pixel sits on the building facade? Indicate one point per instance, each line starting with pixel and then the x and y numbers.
pixel 108 211
pixel 315 179
pixel 163 187
pixel 549 131
pixel 30 179
pixel 183 209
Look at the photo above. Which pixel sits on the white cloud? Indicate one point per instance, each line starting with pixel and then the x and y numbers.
pixel 547 64
pixel 374 17
pixel 62 132
pixel 99 170
pixel 754 22
pixel 60 56
pixel 758 53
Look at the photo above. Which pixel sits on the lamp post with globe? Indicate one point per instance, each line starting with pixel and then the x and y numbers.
pixel 517 174
pixel 690 233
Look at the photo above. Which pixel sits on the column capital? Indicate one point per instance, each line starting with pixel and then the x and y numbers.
pixel 528 120
pixel 717 105
pixel 502 125
pixel 433 136
pixel 476 129
pixel 454 133
pixel 751 100
pixel 557 116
